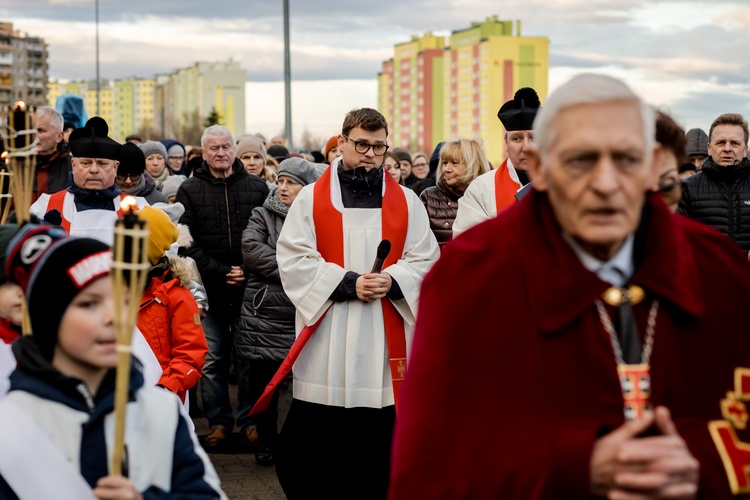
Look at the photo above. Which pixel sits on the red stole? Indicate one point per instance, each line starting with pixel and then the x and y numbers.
pixel 329 234
pixel 505 188
pixel 57 200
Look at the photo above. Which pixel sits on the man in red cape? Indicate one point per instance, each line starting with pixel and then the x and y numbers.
pixel 512 390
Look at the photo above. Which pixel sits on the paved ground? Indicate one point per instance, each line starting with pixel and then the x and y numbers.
pixel 241 477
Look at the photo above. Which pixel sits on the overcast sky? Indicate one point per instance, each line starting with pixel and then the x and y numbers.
pixel 688 57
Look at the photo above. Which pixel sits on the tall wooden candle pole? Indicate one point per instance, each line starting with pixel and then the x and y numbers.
pixel 21 148
pixel 129 267
pixel 19 141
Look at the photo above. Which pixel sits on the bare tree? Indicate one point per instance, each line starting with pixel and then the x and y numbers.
pixel 311 142
pixel 190 129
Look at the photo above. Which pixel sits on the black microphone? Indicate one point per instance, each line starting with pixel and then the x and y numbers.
pixel 384 248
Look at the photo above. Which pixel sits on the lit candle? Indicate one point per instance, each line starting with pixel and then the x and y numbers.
pixel 20 120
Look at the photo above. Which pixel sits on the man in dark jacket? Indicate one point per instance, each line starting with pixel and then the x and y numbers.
pixel 218 200
pixel 53 165
pixel 719 195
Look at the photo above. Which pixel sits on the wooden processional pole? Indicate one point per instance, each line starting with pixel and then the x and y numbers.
pixel 129 269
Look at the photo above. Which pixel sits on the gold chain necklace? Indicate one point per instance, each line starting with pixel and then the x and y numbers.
pixel 635 380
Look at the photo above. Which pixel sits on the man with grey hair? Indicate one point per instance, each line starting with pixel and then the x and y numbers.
pixel 53 165
pixel 719 195
pixel 218 201
pixel 601 351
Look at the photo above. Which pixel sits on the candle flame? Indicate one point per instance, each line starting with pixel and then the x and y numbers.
pixel 20 105
pixel 128 204
pixel 4 155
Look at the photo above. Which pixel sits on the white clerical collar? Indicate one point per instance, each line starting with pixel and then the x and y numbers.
pixel 617 270
pixel 513 173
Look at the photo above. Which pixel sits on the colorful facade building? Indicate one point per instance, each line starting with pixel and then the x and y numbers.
pixel 170 105
pixel 456 91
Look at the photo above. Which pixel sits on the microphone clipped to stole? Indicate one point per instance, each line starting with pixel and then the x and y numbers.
pixel 384 248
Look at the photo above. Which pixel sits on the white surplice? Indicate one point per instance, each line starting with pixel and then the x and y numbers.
pixel 97 224
pixel 478 203
pixel 345 363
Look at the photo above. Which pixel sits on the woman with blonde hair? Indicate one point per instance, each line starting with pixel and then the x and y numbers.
pixel 461 161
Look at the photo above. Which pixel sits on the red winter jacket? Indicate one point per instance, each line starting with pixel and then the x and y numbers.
pixel 170 322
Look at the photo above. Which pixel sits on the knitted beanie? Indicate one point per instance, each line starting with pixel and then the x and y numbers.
pixel 132 160
pixel 173 210
pixel 332 143
pixel 251 144
pixel 153 148
pixel 298 169
pixel 280 153
pixel 162 233
pixel 402 154
pixel 171 184
pixel 176 149
pixel 52 268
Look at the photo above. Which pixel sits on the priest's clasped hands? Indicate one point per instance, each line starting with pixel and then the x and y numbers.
pixel 626 467
pixel 373 286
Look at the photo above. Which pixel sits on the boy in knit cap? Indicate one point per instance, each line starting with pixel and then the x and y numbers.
pixel 58 416
pixel 169 317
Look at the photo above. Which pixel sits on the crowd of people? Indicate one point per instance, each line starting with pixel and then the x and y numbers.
pixel 546 327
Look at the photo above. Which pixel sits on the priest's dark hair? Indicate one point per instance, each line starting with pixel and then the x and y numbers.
pixel 365 118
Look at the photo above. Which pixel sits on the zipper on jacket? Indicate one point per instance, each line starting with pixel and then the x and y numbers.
pixel 229 221
pixel 84 391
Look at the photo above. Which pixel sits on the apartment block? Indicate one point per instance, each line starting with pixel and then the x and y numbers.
pixel 186 97
pixel 23 67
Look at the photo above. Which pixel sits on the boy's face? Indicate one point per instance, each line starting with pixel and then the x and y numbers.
pixel 86 342
pixel 11 298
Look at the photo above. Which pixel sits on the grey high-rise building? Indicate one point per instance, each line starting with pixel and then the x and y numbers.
pixel 23 67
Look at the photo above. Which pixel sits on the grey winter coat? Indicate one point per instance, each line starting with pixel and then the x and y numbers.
pixel 267 316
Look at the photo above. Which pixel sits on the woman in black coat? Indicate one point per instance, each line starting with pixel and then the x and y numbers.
pixel 461 161
pixel 267 317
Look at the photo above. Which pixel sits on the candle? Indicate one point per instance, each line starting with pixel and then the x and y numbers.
pixel 20 120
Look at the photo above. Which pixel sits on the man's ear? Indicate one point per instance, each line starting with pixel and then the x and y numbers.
pixel 534 169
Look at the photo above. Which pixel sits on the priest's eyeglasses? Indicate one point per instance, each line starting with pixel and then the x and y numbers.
pixel 362 147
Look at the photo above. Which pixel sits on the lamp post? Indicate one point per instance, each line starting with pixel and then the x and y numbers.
pixel 98 103
pixel 287 80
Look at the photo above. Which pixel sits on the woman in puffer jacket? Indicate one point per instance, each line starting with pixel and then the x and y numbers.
pixel 461 161
pixel 267 318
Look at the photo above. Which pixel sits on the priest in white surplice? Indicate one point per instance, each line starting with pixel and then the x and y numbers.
pixel 336 440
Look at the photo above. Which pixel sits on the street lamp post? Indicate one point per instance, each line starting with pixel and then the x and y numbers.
pixel 98 103
pixel 287 80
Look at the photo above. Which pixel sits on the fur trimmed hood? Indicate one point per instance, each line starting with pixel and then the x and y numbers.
pixel 184 270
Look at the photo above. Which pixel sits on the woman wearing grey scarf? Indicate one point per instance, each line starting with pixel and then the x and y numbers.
pixel 267 319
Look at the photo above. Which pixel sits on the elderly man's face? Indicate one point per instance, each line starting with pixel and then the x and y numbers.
pixel 596 174
pixel 219 153
pixel 94 173
pixel 48 136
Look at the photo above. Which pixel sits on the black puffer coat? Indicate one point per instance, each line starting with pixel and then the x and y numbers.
pixel 267 315
pixel 217 211
pixel 720 197
pixel 441 203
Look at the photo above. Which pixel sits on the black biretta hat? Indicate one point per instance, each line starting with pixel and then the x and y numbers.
pixel 519 113
pixel 91 141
